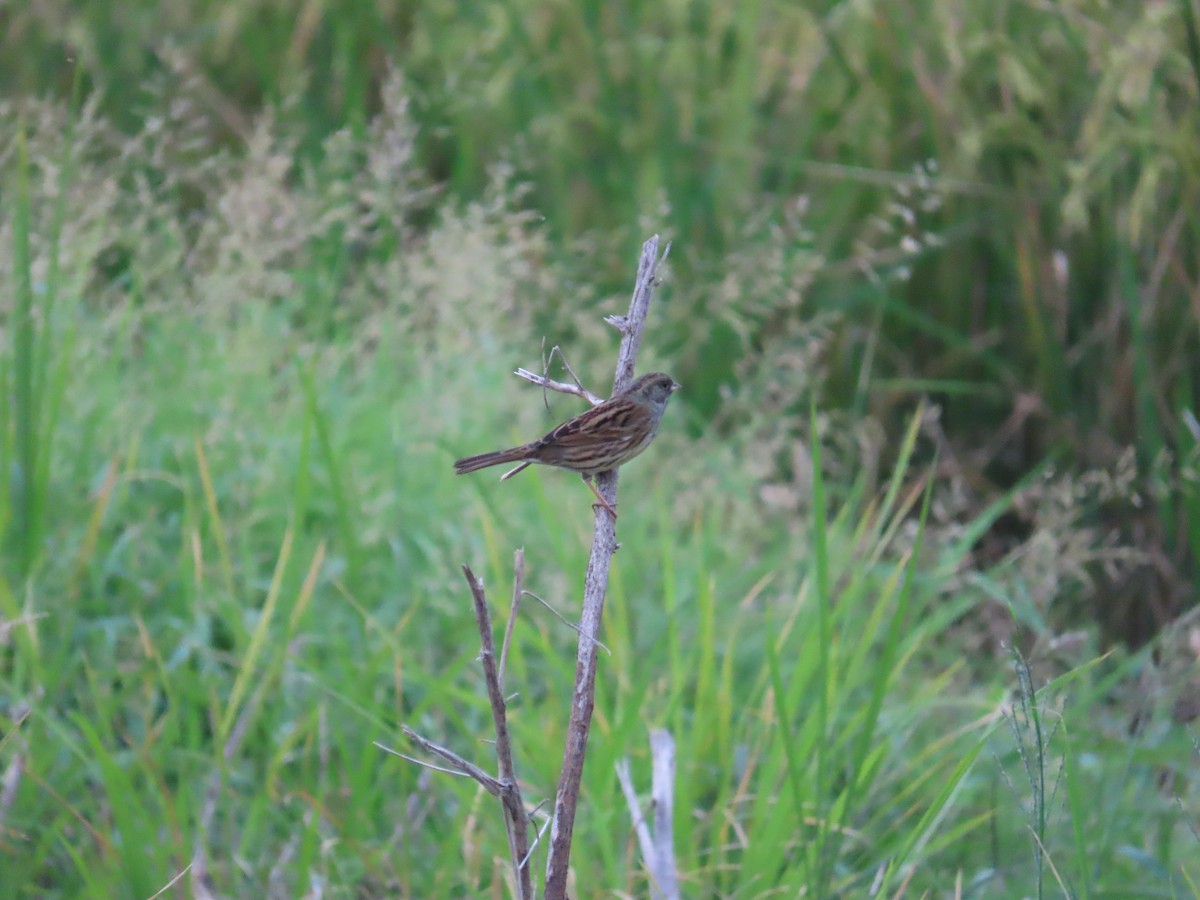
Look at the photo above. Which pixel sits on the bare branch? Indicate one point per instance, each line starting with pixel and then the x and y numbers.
pixel 662 792
pixel 566 365
pixel 516 820
pixel 604 544
pixel 486 781
pixel 537 840
pixel 563 618
pixel 658 849
pixel 518 590
pixel 561 386
pixel 640 826
pixel 421 762
pixel 547 362
pixel 506 786
pixel 633 325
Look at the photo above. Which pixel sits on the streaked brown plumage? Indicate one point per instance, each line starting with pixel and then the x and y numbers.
pixel 606 436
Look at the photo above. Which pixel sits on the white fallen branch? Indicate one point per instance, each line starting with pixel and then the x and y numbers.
pixel 657 844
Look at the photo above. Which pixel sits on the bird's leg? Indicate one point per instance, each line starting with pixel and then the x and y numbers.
pixel 591 484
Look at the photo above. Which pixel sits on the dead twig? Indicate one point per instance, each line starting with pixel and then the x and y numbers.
pixel 516 820
pixel 554 612
pixel 561 818
pixel 595 588
pixel 561 386
pixel 518 591
pixel 505 786
pixel 548 361
pixel 658 848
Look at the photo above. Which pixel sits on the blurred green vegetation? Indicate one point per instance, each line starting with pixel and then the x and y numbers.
pixel 1001 198
pixel 265 268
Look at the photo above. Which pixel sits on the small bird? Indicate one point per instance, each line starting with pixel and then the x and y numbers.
pixel 608 435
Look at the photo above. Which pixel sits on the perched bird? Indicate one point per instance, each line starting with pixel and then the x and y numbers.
pixel 599 440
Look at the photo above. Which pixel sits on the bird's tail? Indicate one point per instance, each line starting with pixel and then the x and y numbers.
pixel 496 458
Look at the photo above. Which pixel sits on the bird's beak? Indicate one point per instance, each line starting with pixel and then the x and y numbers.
pixel 675 385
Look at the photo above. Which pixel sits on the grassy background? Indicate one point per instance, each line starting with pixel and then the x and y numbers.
pixel 932 296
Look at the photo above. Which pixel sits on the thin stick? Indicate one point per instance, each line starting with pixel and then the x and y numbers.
pixel 516 820
pixel 554 612
pixel 566 365
pixel 420 762
pixel 518 590
pixel 662 792
pixel 486 781
pixel 561 386
pixel 640 826
pixel 657 846
pixel 537 840
pixel 547 362
pixel 604 544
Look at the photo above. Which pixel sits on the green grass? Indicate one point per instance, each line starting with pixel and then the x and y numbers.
pixel 821 742
pixel 997 199
pixel 249 574
pixel 233 385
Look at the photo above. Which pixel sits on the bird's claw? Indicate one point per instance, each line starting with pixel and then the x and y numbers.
pixel 596 507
